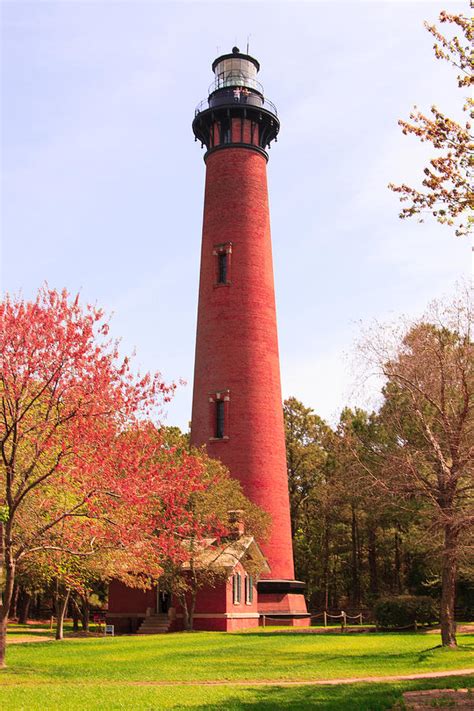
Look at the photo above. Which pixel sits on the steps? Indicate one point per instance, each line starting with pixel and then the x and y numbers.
pixel 154 624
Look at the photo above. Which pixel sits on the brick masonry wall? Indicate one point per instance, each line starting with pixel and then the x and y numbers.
pixel 237 346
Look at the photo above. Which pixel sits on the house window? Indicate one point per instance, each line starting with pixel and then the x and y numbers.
pixel 236 588
pixel 220 418
pixel 249 589
pixel 222 268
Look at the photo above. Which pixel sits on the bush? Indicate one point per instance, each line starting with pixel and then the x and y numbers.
pixel 404 610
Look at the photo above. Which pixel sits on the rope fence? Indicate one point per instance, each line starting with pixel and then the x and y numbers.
pixel 343 616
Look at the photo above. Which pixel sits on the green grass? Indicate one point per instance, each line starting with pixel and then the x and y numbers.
pixel 357 697
pixel 245 656
pixel 115 673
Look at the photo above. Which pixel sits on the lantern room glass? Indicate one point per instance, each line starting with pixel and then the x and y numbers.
pixel 236 72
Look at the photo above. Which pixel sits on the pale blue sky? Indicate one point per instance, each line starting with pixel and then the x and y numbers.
pixel 103 184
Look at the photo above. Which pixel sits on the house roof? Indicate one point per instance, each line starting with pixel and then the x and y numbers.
pixel 211 553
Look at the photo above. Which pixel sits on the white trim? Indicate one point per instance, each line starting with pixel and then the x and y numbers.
pixel 223 615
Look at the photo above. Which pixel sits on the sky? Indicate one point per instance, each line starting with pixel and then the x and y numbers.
pixel 102 182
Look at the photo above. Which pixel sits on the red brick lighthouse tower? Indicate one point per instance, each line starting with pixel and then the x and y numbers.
pixel 237 406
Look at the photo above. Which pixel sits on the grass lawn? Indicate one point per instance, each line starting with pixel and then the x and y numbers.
pixel 118 673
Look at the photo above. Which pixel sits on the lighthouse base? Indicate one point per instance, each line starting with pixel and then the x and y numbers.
pixel 282 602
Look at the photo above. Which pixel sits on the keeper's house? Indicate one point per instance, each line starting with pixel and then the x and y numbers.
pixel 229 604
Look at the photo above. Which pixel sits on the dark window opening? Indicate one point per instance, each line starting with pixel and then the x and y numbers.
pixel 220 419
pixel 222 268
pixel 236 588
pixel 249 589
pixel 226 134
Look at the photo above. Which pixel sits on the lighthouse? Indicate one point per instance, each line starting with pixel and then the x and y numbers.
pixel 237 405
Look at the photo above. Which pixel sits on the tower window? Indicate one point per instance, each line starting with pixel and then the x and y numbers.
pixel 222 268
pixel 220 418
pixel 222 254
pixel 219 415
pixel 226 134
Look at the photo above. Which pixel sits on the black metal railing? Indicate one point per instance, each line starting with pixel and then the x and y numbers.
pixel 237 79
pixel 237 98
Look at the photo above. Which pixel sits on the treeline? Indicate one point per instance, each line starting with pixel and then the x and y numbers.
pixel 382 503
pixel 352 544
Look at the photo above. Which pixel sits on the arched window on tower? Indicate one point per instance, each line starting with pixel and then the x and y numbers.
pixel 222 253
pixel 219 415
pixel 220 419
pixel 222 268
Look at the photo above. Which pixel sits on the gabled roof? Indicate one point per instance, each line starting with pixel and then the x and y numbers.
pixel 226 554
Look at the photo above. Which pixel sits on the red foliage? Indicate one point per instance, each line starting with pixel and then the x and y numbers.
pixel 82 467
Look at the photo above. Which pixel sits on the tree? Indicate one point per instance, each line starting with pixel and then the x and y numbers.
pixel 82 470
pixel 305 434
pixel 448 193
pixel 191 566
pixel 429 409
pixel 352 540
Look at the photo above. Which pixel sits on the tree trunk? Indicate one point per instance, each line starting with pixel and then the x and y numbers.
pixel 448 587
pixel 14 605
pixel 36 614
pixel 372 556
pixel 3 639
pixel 398 564
pixel 334 588
pixel 186 618
pixel 75 621
pixel 192 607
pixel 61 605
pixel 85 613
pixel 326 563
pixel 355 588
pixel 25 602
pixel 9 581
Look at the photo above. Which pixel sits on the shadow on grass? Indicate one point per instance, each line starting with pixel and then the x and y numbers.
pixel 305 698
pixel 353 697
pixel 425 653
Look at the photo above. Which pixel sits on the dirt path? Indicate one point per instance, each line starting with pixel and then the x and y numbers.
pixel 296 682
pixel 306 682
pixel 438 698
pixel 21 639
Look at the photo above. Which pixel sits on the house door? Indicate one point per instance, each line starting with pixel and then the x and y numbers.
pixel 162 600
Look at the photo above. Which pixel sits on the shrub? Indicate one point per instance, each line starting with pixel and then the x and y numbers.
pixel 404 610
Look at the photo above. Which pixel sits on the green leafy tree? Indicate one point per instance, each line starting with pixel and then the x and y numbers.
pixel 429 409
pixel 186 571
